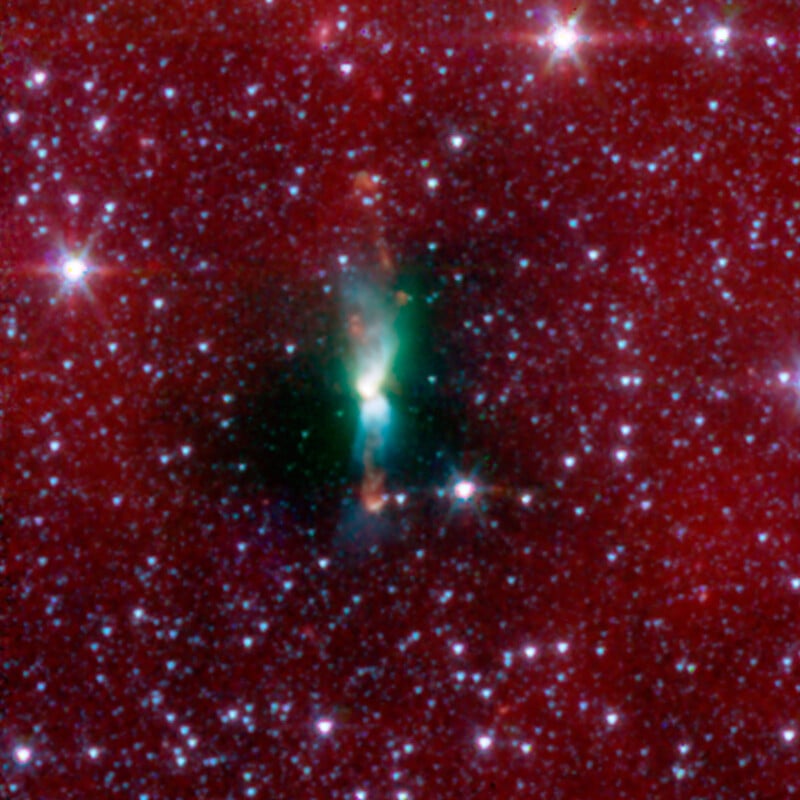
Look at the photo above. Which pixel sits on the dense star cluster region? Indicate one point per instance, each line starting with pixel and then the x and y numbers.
pixel 400 401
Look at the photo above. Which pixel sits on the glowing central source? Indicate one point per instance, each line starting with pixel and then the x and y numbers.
pixel 369 384
pixel 721 35
pixel 564 38
pixel 74 269
pixel 464 490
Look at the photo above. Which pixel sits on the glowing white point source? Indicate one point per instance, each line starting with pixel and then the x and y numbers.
pixel 564 38
pixel 325 726
pixel 13 117
pixel 464 490
pixel 93 752
pixel 456 141
pixel 789 735
pixel 612 719
pixel 39 77
pixel 621 456
pixel 784 377
pixel 530 651
pixel 22 754
pixel 74 269
pixel 562 647
pixel 484 742
pixel 721 34
pixel 369 384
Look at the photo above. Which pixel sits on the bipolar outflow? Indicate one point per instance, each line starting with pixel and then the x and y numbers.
pixel 373 342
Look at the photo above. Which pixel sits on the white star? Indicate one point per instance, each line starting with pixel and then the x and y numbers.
pixel 22 754
pixel 456 141
pixel 564 38
pixel 721 35
pixel 464 489
pixel 74 269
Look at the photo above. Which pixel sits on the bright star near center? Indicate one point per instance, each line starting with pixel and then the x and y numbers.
pixel 369 383
pixel 564 38
pixel 22 754
pixel 74 269
pixel 464 489
pixel 721 35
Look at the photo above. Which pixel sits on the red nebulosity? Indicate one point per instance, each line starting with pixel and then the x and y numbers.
pixel 216 585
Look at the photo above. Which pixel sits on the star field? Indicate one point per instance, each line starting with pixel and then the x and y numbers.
pixel 400 400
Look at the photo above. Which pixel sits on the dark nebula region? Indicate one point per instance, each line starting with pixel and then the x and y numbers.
pixel 400 401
